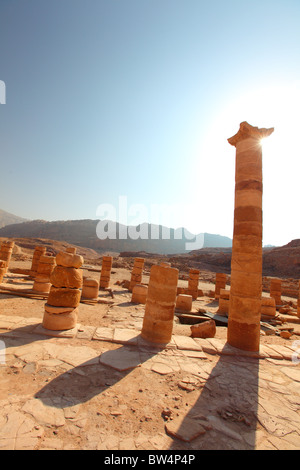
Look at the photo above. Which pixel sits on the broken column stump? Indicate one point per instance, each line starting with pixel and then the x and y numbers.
pixel 206 329
pixel 139 294
pixel 61 309
pixel 275 290
pixel 246 262
pixel 268 306
pixel 220 283
pixel 160 304
pixel 184 302
pixel 45 267
pixel 298 303
pixel 193 283
pixel 2 270
pixel 6 252
pixel 105 272
pixel 38 252
pixel 223 302
pixel 136 273
pixel 90 288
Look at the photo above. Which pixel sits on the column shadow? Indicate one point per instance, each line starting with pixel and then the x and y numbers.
pixel 226 407
pixel 93 377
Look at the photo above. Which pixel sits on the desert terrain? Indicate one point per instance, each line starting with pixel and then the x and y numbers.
pixel 101 387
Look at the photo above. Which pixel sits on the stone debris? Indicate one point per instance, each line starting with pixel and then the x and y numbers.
pixel 206 329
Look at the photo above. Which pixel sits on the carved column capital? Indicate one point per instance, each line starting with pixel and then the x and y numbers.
pixel 246 130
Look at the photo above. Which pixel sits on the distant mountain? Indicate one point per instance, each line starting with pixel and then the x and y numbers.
pixel 110 236
pixel 8 219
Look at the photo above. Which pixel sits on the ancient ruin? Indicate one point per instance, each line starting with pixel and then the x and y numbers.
pixel 105 272
pixel 224 302
pixel 2 270
pixel 6 252
pixel 220 283
pixel 46 265
pixel 160 304
pixel 193 283
pixel 64 297
pixel 90 288
pixel 184 302
pixel 139 294
pixel 275 290
pixel 246 260
pixel 137 272
pixel 38 252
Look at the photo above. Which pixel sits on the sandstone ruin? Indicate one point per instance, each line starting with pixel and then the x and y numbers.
pixel 46 265
pixel 6 252
pixel 137 272
pixel 246 260
pixel 160 304
pixel 220 283
pixel 193 283
pixel 105 272
pixel 38 252
pixel 61 310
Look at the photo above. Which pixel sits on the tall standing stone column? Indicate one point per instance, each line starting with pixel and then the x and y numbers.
pixel 246 261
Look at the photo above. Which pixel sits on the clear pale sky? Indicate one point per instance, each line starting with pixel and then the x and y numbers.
pixel 135 99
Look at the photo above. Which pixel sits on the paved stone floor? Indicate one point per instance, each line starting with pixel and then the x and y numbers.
pixel 106 388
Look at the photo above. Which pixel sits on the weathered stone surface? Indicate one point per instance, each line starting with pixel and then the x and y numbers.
pixel 69 260
pixel 184 428
pixel 184 302
pixel 160 305
pixel 44 412
pixel 19 432
pixel 66 277
pixel 125 335
pixel 206 329
pixel 121 359
pixel 64 297
pixel 161 368
pixel 246 265
pixel 61 321
pixel 184 342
